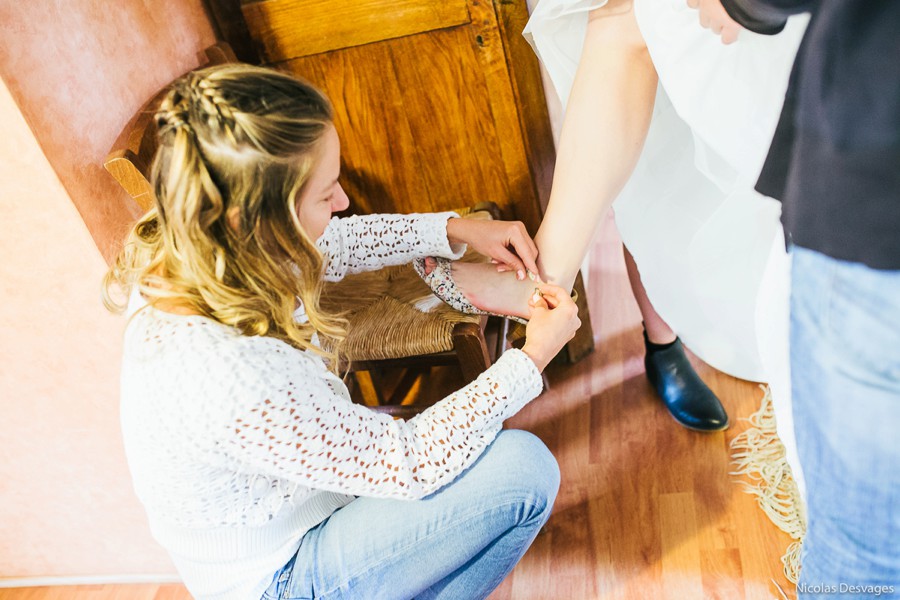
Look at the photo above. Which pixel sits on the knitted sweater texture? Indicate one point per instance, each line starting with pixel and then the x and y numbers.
pixel 239 445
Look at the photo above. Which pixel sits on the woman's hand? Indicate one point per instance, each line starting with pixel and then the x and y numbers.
pixel 554 321
pixel 713 17
pixel 506 243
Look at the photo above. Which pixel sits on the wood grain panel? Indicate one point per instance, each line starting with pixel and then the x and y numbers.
pixel 287 29
pixel 231 27
pixel 413 139
pixel 486 31
pixel 528 88
pixel 380 164
pixel 446 103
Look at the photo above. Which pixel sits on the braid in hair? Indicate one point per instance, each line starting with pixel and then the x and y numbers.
pixel 237 144
pixel 183 173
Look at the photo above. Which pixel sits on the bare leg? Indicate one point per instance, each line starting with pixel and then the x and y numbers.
pixel 603 133
pixel 606 122
pixel 658 331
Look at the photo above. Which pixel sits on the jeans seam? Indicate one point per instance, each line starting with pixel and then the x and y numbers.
pixel 369 568
pixel 286 584
pixel 827 321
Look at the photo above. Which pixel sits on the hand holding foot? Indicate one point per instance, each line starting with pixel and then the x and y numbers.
pixel 506 243
pixel 477 287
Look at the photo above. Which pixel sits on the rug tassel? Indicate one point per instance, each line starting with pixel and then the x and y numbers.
pixel 759 455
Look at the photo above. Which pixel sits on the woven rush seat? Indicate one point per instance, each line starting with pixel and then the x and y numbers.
pixel 384 323
pixel 380 306
pixel 386 329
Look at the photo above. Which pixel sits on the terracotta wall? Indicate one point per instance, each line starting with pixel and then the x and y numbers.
pixel 79 69
pixel 72 73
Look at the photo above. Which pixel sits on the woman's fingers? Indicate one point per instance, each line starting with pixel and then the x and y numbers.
pixel 713 16
pixel 556 296
pixel 554 320
pixel 730 33
pixel 524 247
pixel 537 300
pixel 430 264
pixel 511 261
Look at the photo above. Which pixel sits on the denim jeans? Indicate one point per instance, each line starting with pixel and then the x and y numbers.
pixel 457 543
pixel 845 362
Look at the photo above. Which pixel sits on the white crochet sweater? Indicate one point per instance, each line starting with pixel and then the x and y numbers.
pixel 238 445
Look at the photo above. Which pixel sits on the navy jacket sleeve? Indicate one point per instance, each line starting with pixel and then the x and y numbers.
pixel 767 17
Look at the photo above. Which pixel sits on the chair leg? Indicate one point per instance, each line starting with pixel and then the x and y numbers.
pixel 369 389
pixel 401 394
pixel 583 343
pixel 502 333
pixel 471 350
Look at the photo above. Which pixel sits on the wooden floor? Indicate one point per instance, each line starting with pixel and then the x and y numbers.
pixel 646 508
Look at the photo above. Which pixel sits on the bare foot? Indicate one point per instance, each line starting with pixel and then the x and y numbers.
pixel 491 291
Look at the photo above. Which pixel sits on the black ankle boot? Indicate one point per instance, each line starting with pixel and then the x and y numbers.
pixel 688 399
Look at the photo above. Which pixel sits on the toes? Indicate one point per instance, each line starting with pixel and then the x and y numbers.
pixel 430 264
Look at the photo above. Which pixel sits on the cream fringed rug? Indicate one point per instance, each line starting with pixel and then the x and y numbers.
pixel 759 455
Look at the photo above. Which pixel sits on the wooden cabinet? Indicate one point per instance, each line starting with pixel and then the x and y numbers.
pixel 438 103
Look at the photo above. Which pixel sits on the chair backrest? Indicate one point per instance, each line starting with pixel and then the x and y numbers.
pixel 132 154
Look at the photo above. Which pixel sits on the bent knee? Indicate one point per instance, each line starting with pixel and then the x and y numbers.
pixel 526 466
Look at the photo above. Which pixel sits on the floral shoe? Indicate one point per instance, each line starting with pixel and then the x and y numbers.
pixel 442 285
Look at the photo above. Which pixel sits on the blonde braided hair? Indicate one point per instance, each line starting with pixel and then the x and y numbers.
pixel 237 146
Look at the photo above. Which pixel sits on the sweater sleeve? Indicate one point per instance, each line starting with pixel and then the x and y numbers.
pixel 370 242
pixel 296 422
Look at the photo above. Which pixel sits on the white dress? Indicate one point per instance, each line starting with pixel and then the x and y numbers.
pixel 709 248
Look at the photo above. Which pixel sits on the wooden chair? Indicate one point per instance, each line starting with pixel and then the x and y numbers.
pixel 386 330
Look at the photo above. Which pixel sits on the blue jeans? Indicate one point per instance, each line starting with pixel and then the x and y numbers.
pixel 845 362
pixel 457 543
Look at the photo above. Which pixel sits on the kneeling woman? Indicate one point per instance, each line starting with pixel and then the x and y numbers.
pixel 258 474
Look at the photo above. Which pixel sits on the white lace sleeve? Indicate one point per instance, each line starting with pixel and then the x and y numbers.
pixel 298 423
pixel 370 242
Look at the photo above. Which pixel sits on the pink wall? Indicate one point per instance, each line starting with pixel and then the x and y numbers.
pixel 79 69
pixel 72 74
